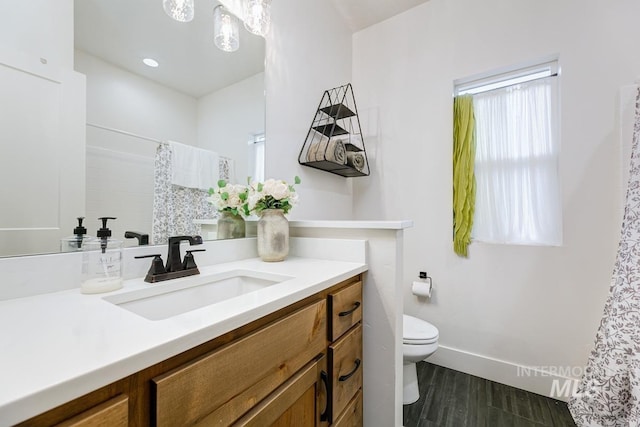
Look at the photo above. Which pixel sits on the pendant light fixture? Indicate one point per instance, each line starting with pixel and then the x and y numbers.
pixel 226 30
pixel 180 10
pixel 257 16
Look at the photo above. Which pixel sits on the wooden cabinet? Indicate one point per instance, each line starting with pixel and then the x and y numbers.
pixel 352 415
pixel 292 404
pixel 298 367
pixel 345 352
pixel 345 309
pixel 225 384
pixel 112 413
pixel 345 363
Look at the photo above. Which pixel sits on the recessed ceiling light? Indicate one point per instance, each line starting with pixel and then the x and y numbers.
pixel 150 62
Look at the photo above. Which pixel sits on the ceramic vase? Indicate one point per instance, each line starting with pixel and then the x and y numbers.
pixel 230 226
pixel 273 235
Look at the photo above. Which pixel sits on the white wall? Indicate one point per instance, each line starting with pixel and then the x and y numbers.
pixel 308 51
pixel 41 28
pixel 381 315
pixel 229 117
pixel 42 126
pixel 120 99
pixel 120 168
pixel 505 305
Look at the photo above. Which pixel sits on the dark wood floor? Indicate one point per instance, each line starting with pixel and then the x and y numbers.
pixel 450 398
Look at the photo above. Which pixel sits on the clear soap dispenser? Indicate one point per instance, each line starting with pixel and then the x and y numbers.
pixel 76 242
pixel 102 262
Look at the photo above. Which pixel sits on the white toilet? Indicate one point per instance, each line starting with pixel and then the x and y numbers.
pixel 419 341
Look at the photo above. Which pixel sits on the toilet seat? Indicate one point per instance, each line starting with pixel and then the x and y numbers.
pixel 419 341
pixel 417 331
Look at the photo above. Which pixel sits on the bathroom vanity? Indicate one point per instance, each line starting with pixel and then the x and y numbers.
pixel 244 341
pixel 281 369
pixel 62 346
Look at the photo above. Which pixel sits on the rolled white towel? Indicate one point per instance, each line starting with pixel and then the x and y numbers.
pixel 322 147
pixel 332 151
pixel 312 151
pixel 356 160
pixel 336 152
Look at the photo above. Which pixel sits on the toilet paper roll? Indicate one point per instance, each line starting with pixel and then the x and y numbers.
pixel 421 289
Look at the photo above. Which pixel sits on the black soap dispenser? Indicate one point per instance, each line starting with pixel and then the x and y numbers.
pixel 76 242
pixel 102 262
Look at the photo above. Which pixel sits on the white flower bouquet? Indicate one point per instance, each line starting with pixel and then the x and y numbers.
pixel 272 194
pixel 230 197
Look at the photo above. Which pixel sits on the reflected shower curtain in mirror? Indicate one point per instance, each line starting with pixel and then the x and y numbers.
pixel 175 207
pixel 609 393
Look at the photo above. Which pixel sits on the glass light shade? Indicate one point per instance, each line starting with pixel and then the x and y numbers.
pixel 180 10
pixel 257 16
pixel 226 30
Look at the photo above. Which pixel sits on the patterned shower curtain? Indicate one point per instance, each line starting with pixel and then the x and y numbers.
pixel 609 394
pixel 175 207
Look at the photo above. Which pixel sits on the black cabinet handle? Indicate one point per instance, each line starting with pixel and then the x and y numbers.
pixel 350 374
pixel 325 379
pixel 348 312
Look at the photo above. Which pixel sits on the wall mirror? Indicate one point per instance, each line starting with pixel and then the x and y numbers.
pixel 198 95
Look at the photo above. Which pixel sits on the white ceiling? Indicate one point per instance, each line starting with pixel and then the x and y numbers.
pixel 123 32
pixel 359 14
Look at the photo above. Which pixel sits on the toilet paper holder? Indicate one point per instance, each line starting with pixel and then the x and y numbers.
pixel 423 288
pixel 423 275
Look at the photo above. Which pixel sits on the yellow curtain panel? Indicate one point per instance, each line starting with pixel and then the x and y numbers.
pixel 464 182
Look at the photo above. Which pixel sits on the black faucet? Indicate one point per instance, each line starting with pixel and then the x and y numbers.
pixel 174 259
pixel 143 238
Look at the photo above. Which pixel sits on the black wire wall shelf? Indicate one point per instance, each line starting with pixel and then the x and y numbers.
pixel 334 142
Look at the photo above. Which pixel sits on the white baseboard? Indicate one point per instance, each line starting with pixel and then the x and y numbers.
pixel 547 381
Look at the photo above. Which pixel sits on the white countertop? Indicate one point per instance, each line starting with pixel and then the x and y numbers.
pixel 59 346
pixel 354 224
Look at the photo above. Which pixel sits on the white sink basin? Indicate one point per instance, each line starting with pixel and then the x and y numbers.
pixel 167 299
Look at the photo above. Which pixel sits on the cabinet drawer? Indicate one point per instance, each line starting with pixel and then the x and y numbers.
pixel 352 415
pixel 345 309
pixel 292 404
pixel 345 364
pixel 112 413
pixel 221 386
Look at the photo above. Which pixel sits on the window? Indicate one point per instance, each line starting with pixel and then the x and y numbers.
pixel 516 157
pixel 256 157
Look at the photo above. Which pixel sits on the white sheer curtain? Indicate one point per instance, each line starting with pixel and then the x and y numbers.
pixel 518 191
pixel 256 157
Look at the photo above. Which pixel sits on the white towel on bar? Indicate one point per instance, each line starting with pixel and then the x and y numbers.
pixel 193 167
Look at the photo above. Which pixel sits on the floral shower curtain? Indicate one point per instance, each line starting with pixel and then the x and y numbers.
pixel 175 207
pixel 609 394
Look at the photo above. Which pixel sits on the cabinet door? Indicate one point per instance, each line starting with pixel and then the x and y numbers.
pixel 345 362
pixel 295 403
pixel 225 384
pixel 112 413
pixel 352 415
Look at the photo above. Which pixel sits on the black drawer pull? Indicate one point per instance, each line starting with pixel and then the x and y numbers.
pixel 348 312
pixel 350 374
pixel 325 380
